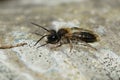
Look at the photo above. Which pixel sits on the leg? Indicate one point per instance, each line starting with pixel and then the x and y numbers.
pixel 70 43
pixel 88 45
pixel 57 45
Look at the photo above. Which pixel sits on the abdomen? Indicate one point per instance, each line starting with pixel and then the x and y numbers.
pixel 85 36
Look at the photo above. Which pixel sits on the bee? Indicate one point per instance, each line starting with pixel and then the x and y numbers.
pixel 69 36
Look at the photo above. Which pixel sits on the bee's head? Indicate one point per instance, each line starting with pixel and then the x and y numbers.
pixel 53 37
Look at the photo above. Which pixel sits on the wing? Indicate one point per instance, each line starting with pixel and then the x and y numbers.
pixel 84 35
pixel 76 29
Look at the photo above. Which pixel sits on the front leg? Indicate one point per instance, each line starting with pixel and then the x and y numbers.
pixel 60 44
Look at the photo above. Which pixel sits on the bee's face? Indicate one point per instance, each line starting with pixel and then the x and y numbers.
pixel 53 38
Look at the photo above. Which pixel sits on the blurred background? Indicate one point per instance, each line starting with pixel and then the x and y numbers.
pixel 26 63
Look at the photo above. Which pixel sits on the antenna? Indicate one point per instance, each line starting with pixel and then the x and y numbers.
pixel 40 39
pixel 40 26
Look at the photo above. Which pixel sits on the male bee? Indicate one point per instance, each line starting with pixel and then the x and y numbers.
pixel 68 35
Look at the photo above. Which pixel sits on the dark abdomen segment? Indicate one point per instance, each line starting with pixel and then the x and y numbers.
pixel 86 37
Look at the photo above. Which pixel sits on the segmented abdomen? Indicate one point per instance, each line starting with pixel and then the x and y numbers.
pixel 85 36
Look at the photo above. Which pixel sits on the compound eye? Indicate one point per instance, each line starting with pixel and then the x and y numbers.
pixel 52 38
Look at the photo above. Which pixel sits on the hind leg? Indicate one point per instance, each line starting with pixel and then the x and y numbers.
pixel 88 45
